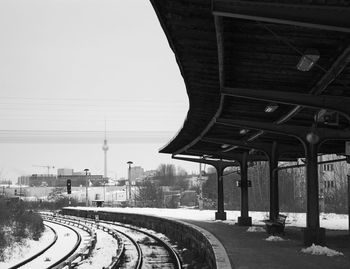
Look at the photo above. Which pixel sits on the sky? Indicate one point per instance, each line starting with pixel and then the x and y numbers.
pixel 69 69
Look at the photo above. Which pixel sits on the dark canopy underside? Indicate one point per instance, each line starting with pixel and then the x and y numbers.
pixel 237 58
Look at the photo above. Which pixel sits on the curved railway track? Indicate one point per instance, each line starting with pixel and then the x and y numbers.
pixel 38 259
pixel 156 253
pixel 71 252
pixel 39 253
pixel 141 248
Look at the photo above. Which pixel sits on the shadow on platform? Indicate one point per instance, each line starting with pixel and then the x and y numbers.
pixel 251 250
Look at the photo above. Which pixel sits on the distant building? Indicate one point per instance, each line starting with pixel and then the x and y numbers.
pixel 23 180
pixel 64 172
pixel 42 180
pixel 136 173
pixel 80 180
pixel 150 173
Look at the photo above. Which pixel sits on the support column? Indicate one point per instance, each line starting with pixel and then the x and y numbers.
pixel 220 214
pixel 348 176
pixel 312 233
pixel 274 197
pixel 244 219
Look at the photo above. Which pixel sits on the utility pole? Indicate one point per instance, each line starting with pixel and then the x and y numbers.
pixel 129 178
pixel 86 187
pixel 105 149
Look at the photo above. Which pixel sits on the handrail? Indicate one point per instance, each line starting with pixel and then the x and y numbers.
pixel 112 232
pixel 82 253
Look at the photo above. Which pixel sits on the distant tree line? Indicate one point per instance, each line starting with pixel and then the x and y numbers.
pixel 150 192
pixel 292 189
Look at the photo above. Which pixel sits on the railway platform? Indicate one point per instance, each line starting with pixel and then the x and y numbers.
pixel 250 250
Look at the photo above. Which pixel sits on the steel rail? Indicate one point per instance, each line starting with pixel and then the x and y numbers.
pixel 39 253
pixel 174 255
pixel 77 244
pixel 138 248
pixel 172 252
pixel 121 247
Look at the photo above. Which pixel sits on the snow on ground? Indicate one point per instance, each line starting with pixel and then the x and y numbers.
pixel 22 251
pixel 65 242
pixel 319 250
pixel 328 221
pixel 256 229
pixel 274 238
pixel 105 248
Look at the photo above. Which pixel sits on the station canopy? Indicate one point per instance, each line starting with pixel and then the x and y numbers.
pixel 260 73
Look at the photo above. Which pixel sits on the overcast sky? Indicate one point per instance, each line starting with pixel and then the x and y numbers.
pixel 66 66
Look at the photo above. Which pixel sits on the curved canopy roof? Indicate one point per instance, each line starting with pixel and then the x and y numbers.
pixel 239 62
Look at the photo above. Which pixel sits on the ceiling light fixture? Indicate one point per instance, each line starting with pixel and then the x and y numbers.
pixel 243 131
pixel 224 146
pixel 308 60
pixel 271 108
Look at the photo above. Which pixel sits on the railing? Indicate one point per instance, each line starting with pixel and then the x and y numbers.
pixel 84 223
pixel 84 253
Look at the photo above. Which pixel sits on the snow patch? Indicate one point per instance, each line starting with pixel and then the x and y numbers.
pixel 274 238
pixel 319 250
pixel 19 251
pixel 256 229
pixel 328 220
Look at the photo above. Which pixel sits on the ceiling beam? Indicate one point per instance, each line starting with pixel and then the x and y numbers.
pixel 332 18
pixel 335 103
pixel 215 163
pixel 262 146
pixel 234 142
pixel 298 132
pixel 231 156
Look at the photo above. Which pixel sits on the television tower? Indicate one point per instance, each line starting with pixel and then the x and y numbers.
pixel 105 148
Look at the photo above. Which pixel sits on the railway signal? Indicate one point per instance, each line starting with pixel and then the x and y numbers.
pixel 69 186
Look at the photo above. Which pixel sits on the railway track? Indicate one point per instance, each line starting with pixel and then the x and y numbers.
pixel 82 248
pixel 141 249
pixel 46 257
pixel 20 264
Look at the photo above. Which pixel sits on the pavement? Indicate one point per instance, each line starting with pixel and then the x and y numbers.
pixel 249 250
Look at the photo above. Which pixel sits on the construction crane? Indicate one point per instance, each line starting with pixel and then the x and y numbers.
pixel 48 167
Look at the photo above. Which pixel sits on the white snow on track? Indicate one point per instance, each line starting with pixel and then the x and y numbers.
pixel 65 242
pixel 105 248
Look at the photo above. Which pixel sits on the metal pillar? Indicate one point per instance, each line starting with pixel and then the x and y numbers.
pixel 274 197
pixel 348 176
pixel 244 219
pixel 312 233
pixel 220 214
pixel 86 187
pixel 129 179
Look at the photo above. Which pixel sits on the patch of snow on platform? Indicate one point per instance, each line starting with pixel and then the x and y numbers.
pixel 319 250
pixel 273 238
pixel 255 229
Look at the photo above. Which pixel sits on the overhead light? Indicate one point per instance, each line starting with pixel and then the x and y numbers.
pixel 243 131
pixel 308 60
pixel 251 151
pixel 271 108
pixel 224 146
pixel 312 137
